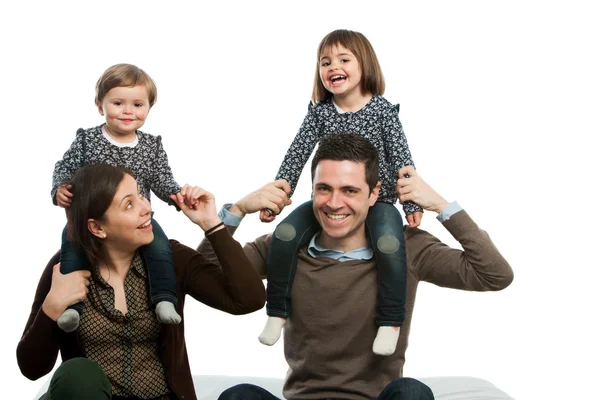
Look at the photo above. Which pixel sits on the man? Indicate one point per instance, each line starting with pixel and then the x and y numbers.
pixel 331 328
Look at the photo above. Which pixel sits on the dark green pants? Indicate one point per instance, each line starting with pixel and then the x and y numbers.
pixel 76 379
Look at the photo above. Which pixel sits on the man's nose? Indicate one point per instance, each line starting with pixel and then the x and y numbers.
pixel 335 201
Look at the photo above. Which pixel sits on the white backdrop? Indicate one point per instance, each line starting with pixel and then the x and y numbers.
pixel 499 101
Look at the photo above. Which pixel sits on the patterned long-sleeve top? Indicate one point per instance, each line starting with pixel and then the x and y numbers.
pixel 147 160
pixel 377 121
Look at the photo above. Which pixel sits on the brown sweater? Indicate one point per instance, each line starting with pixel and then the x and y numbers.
pixel 329 336
pixel 229 284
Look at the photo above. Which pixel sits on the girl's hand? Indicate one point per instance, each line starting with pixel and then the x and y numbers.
pixel 198 205
pixel 267 215
pixel 65 290
pixel 414 219
pixel 63 196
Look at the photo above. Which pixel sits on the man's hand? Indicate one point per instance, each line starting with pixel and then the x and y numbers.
pixel 63 196
pixel 273 195
pixel 415 189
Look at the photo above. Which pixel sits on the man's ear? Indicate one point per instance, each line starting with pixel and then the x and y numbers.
pixel 95 228
pixel 374 194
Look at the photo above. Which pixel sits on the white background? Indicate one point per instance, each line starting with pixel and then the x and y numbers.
pixel 499 102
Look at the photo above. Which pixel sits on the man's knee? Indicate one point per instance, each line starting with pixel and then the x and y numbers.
pixel 80 378
pixel 407 388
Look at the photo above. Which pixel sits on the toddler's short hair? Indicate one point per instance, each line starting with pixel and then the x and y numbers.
pixel 124 75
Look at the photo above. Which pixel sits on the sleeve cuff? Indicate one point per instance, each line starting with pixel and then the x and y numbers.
pixel 449 211
pixel 229 218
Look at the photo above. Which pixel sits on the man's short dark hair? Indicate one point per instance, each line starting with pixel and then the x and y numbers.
pixel 349 147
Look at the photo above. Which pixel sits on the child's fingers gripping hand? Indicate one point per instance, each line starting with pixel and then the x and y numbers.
pixel 63 196
pixel 414 219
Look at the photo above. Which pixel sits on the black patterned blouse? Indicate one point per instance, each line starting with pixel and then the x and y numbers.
pixel 147 160
pixel 377 121
pixel 125 346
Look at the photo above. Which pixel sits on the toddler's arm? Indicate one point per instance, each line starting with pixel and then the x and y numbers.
pixel 163 183
pixel 64 169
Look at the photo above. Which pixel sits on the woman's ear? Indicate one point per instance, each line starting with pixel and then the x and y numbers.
pixel 95 228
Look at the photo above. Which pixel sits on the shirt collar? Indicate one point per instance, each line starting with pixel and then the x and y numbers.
pixel 314 250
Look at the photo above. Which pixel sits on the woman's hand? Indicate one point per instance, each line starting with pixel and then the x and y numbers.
pixel 198 205
pixel 65 291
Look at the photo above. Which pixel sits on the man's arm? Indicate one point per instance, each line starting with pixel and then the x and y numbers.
pixel 273 196
pixel 479 266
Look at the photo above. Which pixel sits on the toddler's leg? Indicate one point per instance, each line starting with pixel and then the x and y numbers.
pixel 386 230
pixel 72 258
pixel 161 276
pixel 291 234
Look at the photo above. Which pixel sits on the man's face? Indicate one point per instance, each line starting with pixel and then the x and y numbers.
pixel 341 201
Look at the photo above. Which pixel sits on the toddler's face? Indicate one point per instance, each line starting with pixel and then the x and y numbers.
pixel 125 110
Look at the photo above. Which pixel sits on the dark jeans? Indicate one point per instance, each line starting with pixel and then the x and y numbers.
pixel 157 257
pixel 398 389
pixel 386 232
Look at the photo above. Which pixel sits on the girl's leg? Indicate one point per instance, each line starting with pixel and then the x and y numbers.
pixel 161 276
pixel 386 230
pixel 72 258
pixel 291 234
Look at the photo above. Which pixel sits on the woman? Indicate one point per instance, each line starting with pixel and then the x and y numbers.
pixel 120 349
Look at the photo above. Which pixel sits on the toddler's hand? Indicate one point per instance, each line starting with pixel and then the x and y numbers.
pixel 414 219
pixel 63 196
pixel 266 215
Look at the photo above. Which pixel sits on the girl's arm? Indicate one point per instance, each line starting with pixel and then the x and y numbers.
pixel 300 150
pixel 163 183
pixel 71 161
pixel 397 147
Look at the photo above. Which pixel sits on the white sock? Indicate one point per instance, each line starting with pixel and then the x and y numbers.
pixel 166 313
pixel 386 340
pixel 272 330
pixel 68 320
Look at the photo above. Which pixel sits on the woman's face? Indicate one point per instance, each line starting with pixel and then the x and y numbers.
pixel 127 221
